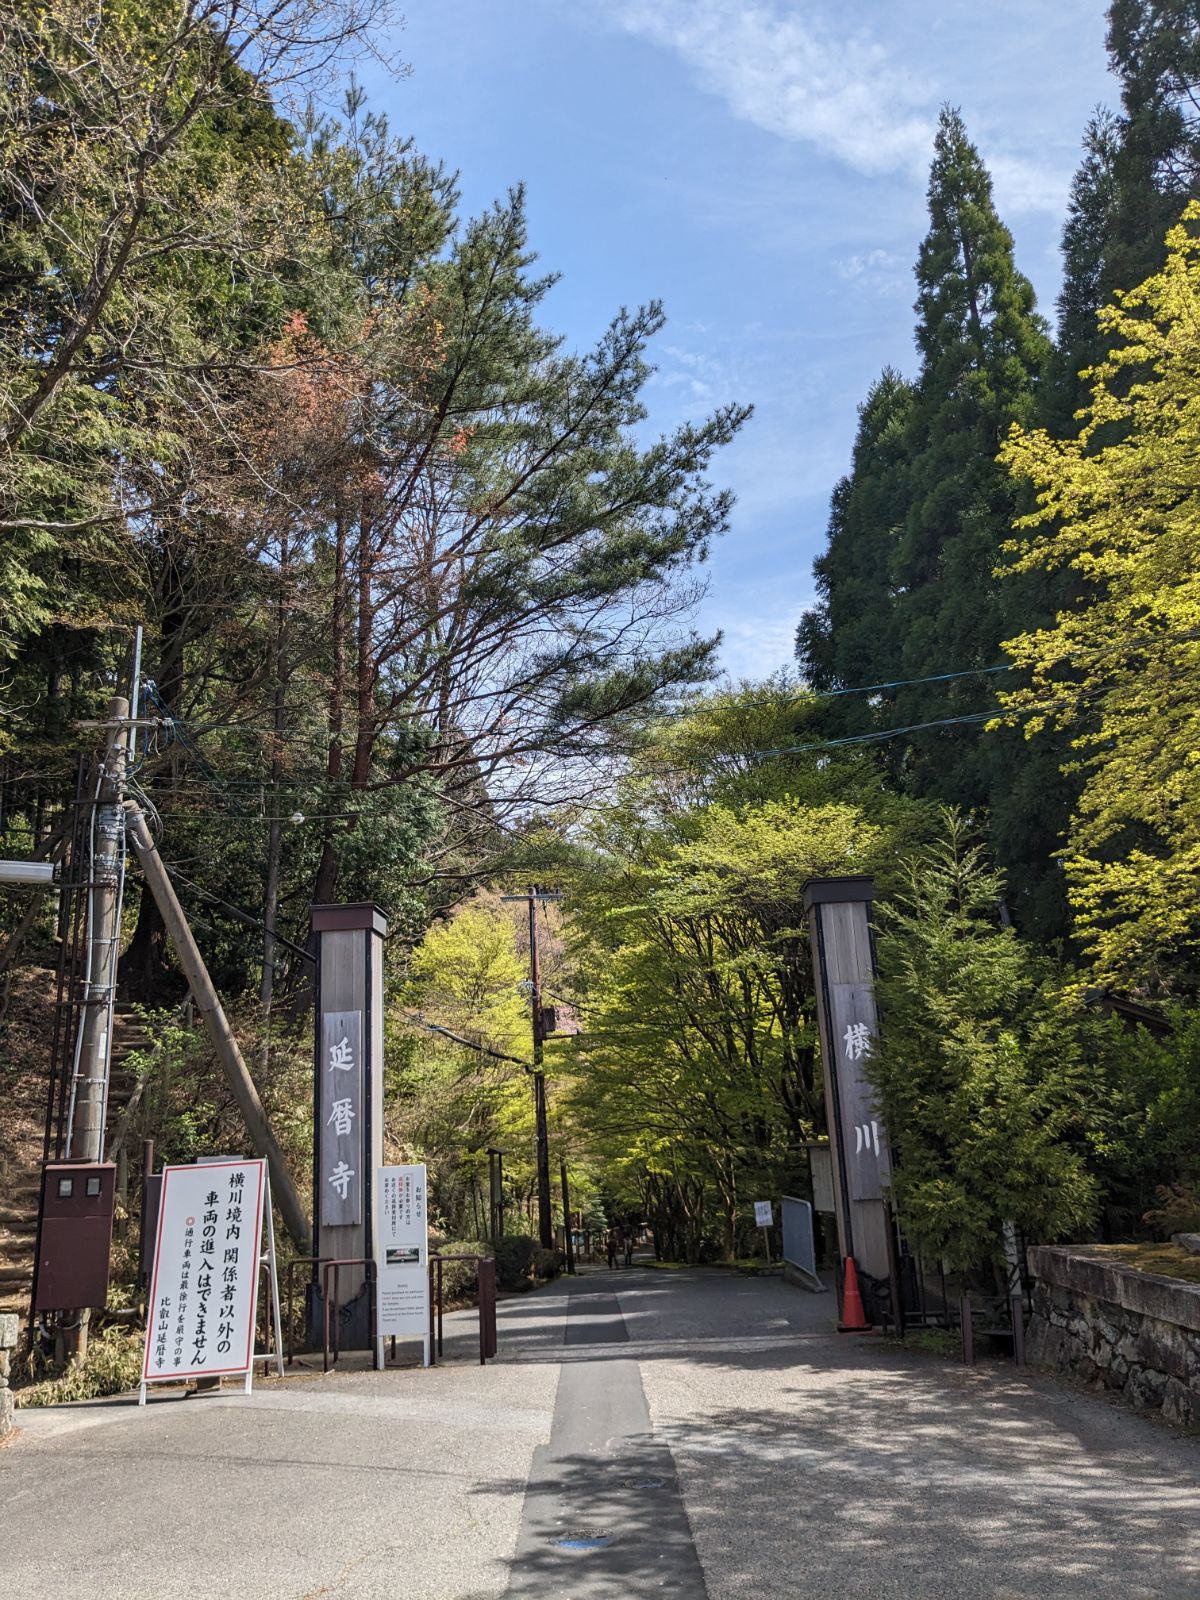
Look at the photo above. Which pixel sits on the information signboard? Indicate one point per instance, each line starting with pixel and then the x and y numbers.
pixel 402 1253
pixel 764 1214
pixel 204 1284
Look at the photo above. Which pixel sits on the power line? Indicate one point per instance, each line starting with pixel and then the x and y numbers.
pixel 473 1044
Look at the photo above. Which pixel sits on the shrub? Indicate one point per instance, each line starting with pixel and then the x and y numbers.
pixel 516 1260
pixel 113 1366
pixel 548 1263
pixel 459 1279
pixel 1178 1210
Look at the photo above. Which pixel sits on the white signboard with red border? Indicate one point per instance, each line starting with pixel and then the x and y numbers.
pixel 402 1255
pixel 204 1285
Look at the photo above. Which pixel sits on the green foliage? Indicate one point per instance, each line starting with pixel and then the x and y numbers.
pixel 1116 506
pixel 113 1366
pixel 460 1281
pixel 447 1102
pixel 980 1074
pixel 696 1076
pixel 907 587
pixel 849 638
pixel 1154 50
pixel 516 1261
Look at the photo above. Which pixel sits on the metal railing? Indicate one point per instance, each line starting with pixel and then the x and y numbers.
pixel 485 1277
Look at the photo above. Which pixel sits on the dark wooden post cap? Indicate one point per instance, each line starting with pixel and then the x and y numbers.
pixel 830 891
pixel 345 919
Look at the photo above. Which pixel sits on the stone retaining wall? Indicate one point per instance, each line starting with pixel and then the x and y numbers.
pixel 8 1342
pixel 1109 1325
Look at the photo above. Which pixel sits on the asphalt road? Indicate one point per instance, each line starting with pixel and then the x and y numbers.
pixel 688 1434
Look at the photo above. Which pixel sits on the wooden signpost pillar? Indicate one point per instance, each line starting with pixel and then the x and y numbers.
pixel 838 912
pixel 348 1109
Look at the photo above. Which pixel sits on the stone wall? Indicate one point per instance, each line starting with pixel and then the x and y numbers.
pixel 8 1342
pixel 1111 1326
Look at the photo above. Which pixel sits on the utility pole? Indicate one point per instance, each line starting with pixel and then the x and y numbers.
pixel 532 896
pixel 545 1216
pixel 566 1200
pixel 89 1080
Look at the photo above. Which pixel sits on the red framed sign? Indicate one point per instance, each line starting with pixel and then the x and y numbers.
pixel 204 1285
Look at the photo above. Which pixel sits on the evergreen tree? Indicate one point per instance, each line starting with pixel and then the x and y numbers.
pixel 1086 247
pixel 983 350
pixel 849 637
pixel 1154 49
pixel 980 1073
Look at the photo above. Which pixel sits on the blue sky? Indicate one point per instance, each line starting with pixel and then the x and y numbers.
pixel 760 166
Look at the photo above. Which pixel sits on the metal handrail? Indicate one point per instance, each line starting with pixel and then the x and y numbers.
pixel 335 1266
pixel 485 1272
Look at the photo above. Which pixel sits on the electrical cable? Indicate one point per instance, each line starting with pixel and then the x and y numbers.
pixel 239 915
pixel 472 1044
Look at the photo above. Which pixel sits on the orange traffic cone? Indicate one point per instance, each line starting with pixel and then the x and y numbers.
pixel 853 1317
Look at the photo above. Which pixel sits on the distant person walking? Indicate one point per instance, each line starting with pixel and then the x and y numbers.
pixel 612 1248
pixel 628 1247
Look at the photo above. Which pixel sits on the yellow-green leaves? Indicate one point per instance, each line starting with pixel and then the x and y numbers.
pixel 1120 504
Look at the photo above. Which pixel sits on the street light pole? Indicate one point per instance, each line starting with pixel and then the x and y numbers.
pixel 545 1216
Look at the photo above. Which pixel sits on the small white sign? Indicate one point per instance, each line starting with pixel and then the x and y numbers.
pixel 402 1253
pixel 203 1289
pixel 764 1214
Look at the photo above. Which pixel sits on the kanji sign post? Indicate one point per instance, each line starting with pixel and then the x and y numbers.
pixel 838 912
pixel 402 1256
pixel 204 1282
pixel 347 1114
pixel 341 1096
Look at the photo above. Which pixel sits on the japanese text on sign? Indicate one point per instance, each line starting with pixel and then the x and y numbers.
pixel 341 1080
pixel 205 1277
pixel 402 1260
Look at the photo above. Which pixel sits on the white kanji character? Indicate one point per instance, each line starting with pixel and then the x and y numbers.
pixel 857 1040
pixel 341 1056
pixel 342 1117
pixel 340 1178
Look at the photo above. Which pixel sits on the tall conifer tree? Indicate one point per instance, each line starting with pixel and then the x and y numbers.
pixel 1154 49
pixel 984 350
pixel 1087 242
pixel 849 638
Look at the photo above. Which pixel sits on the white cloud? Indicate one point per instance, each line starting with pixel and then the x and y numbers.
pixel 758 623
pixel 814 82
pixel 1022 185
pixel 879 271
pixel 796 78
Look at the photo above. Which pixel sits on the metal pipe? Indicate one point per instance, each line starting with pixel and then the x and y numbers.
pixel 38 873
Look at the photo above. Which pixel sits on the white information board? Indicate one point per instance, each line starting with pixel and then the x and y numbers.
pixel 764 1214
pixel 401 1254
pixel 204 1285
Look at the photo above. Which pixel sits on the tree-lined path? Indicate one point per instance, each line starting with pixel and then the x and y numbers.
pixel 695 1433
